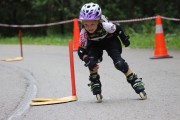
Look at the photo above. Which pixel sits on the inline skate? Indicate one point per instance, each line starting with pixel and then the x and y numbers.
pixel 95 86
pixel 137 85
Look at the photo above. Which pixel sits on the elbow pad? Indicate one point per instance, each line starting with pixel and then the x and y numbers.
pixel 109 27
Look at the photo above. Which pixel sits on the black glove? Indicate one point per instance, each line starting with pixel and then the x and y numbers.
pixel 90 63
pixel 125 40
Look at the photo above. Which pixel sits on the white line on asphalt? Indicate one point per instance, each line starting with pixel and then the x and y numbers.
pixel 29 95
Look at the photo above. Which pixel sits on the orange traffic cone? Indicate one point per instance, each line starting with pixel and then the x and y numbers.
pixel 160 45
pixel 76 35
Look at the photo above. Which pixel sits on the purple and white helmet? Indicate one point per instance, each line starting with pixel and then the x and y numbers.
pixel 90 11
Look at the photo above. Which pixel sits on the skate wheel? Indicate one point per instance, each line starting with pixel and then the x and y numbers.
pixel 99 98
pixel 143 95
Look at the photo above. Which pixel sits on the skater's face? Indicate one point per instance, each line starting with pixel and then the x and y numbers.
pixel 90 25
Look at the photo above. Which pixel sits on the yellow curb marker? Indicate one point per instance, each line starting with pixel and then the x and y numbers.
pixel 49 101
pixel 12 59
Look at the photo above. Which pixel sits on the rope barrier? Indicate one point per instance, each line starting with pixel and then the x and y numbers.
pixel 167 18
pixel 69 21
pixel 134 20
pixel 36 25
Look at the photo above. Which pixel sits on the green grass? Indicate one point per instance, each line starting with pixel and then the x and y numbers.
pixel 148 41
pixel 137 40
pixel 38 40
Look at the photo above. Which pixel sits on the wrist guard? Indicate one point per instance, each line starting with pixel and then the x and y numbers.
pixel 89 62
pixel 124 38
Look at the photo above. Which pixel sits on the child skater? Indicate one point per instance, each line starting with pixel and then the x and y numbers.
pixel 98 34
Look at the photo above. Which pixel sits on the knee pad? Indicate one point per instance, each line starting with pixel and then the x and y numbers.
pixel 122 66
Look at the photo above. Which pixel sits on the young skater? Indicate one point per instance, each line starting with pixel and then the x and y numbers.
pixel 98 34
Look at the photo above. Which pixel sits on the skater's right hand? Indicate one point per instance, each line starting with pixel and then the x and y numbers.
pixel 90 63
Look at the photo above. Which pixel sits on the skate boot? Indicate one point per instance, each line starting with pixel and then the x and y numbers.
pixel 95 86
pixel 137 85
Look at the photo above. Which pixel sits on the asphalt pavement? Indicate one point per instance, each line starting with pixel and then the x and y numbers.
pixel 45 72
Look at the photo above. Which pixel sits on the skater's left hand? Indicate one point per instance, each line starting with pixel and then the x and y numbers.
pixel 126 42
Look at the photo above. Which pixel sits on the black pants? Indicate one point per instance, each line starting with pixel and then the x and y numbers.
pixel 112 46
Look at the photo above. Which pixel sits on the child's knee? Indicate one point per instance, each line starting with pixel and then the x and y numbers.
pixel 122 66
